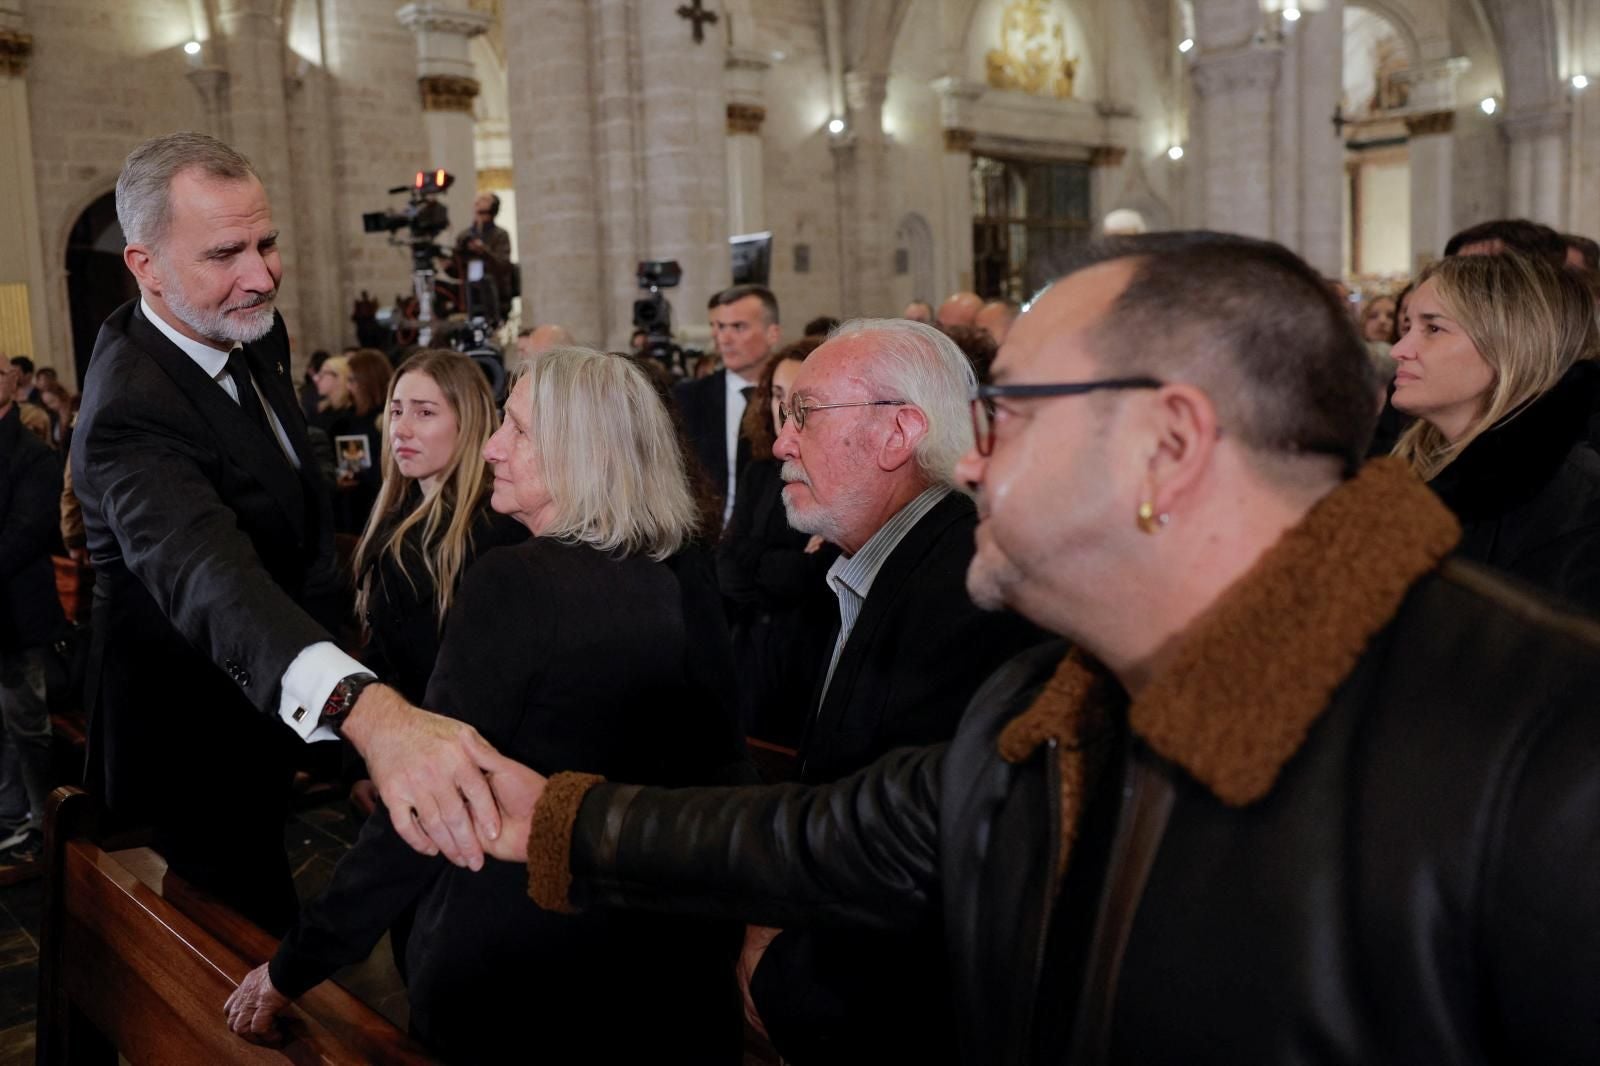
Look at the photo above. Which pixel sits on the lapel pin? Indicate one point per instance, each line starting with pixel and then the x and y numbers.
pixel 279 367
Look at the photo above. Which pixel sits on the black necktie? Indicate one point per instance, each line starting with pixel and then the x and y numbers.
pixel 249 402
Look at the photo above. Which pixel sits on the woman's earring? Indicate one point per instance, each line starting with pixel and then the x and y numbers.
pixel 1149 521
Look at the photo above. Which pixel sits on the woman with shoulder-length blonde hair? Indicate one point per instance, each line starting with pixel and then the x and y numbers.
pixel 597 643
pixel 1497 368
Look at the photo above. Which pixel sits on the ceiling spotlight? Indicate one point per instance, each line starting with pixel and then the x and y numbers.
pixel 1291 14
pixel 192 48
pixel 1488 105
pixel 1186 44
pixel 836 126
pixel 1580 81
pixel 1175 153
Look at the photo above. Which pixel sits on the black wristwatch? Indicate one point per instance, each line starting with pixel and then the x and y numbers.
pixel 342 699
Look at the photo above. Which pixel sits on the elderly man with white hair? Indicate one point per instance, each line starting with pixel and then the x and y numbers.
pixel 872 429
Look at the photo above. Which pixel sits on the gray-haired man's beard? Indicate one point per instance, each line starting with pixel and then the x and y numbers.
pixel 219 325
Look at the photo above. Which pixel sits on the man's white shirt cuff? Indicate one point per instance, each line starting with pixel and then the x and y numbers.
pixel 308 683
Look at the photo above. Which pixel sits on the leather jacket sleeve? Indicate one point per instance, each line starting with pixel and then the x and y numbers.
pixel 862 851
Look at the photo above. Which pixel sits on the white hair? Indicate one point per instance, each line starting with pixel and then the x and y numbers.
pixel 919 364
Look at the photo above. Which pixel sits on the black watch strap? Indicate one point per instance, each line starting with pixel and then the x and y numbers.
pixel 342 699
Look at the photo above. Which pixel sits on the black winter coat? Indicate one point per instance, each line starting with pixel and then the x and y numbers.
pixel 1528 492
pixel 1352 821
pixel 30 511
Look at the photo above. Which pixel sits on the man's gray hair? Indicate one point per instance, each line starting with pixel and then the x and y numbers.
pixel 922 366
pixel 144 205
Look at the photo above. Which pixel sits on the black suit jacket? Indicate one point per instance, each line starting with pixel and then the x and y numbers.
pixel 703 405
pixel 918 651
pixel 202 535
pixel 30 510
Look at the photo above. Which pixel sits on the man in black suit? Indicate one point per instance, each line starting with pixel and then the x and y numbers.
pixel 875 423
pixel 30 613
pixel 207 521
pixel 744 325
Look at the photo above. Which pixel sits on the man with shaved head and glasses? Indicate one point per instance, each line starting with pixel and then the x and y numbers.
pixel 1304 787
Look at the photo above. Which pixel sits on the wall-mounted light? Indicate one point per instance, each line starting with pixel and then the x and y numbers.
pixel 1291 14
pixel 1489 105
pixel 1175 153
pixel 192 48
pixel 836 126
pixel 1186 44
pixel 1580 81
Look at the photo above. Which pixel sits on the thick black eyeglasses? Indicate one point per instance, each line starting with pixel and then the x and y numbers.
pixel 984 396
pixel 800 410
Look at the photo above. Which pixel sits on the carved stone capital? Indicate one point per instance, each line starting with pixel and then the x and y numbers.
pixel 959 140
pixel 865 93
pixel 748 59
pixel 429 16
pixel 447 92
pixel 495 179
pixel 1107 155
pixel 15 48
pixel 1252 69
pixel 1431 124
pixel 745 118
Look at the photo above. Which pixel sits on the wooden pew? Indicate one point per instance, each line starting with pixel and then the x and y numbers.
pixel 125 969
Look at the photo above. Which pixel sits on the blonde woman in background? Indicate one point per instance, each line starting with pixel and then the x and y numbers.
pixel 1496 366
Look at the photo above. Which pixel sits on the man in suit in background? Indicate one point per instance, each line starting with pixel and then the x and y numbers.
pixel 744 325
pixel 872 430
pixel 206 518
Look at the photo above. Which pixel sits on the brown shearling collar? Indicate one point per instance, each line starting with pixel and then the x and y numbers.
pixel 1257 668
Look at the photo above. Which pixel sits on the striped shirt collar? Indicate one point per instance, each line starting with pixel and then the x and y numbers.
pixel 857 572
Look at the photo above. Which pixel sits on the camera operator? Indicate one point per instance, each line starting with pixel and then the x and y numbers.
pixel 485 241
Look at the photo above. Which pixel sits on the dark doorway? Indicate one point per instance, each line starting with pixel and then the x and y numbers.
pixel 97 281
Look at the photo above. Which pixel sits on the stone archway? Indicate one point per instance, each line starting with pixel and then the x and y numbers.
pixel 915 236
pixel 97 281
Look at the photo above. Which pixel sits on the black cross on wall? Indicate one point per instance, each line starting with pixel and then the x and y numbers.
pixel 697 15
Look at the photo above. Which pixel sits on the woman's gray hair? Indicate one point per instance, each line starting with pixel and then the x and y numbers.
pixel 609 454
pixel 922 366
pixel 144 204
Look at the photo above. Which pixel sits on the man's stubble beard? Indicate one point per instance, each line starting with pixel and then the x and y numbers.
pixel 216 325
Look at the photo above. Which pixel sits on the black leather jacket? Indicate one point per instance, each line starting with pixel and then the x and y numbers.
pixel 1355 820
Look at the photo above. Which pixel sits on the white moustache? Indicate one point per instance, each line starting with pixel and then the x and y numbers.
pixel 794 472
pixel 255 301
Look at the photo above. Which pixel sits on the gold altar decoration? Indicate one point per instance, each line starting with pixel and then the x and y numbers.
pixel 1032 56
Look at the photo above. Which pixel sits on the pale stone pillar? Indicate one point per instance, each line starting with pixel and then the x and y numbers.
pixel 445 78
pixel 551 102
pixel 27 318
pixel 1235 90
pixel 252 41
pixel 1538 171
pixel 745 73
pixel 1432 150
pixel 1320 74
pixel 953 247
pixel 860 156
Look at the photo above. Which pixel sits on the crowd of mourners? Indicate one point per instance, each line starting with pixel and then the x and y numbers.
pixel 1192 666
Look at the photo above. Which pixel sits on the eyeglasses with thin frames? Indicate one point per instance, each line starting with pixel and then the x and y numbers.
pixel 800 410
pixel 984 396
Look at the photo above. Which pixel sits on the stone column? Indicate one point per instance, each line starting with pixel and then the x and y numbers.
pixel 1538 170
pixel 953 244
pixel 1235 90
pixel 252 42
pixel 24 315
pixel 860 159
pixel 1432 149
pixel 1105 180
pixel 445 79
pixel 745 72
pixel 551 102
pixel 1319 42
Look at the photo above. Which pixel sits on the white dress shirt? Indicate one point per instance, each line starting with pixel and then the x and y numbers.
pixel 310 679
pixel 735 414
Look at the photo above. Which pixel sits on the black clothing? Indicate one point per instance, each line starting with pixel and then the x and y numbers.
pixel 561 656
pixel 917 652
pixel 403 627
pixel 30 511
pixel 1527 492
pixel 203 537
pixel 780 609
pixel 703 409
pixel 356 494
pixel 1381 846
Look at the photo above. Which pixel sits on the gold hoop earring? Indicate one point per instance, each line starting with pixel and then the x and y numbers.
pixel 1149 521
